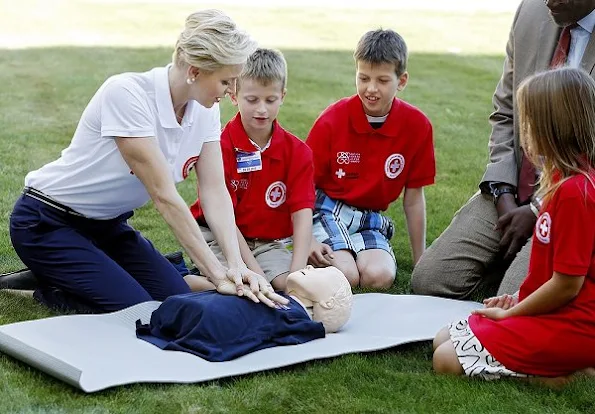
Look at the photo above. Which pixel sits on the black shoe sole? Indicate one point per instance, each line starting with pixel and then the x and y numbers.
pixel 23 279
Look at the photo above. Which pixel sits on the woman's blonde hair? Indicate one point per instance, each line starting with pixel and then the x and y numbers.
pixel 210 40
pixel 557 125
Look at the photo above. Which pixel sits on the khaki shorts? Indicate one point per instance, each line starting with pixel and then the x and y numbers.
pixel 272 256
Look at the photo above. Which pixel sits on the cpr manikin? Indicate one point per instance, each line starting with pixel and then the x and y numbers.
pixel 219 327
pixel 325 293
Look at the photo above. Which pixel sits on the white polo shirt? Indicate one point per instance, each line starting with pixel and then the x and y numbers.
pixel 91 176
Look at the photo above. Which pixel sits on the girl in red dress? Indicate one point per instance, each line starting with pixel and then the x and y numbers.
pixel 547 330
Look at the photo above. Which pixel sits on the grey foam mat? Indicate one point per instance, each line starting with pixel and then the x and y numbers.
pixel 95 352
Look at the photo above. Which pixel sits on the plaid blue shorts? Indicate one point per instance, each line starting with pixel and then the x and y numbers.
pixel 344 227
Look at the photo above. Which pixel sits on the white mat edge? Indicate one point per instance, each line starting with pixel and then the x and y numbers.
pixel 54 366
pixel 80 384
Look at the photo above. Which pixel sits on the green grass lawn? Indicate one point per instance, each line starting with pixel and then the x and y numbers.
pixel 44 89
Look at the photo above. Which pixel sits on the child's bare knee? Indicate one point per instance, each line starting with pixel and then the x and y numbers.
pixel 350 271
pixel 352 276
pixel 442 336
pixel 445 360
pixel 438 363
pixel 377 278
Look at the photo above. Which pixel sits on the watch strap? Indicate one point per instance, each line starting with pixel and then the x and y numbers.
pixel 502 190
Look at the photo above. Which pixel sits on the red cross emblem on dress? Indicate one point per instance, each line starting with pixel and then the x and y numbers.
pixel 543 228
pixel 393 166
pixel 276 194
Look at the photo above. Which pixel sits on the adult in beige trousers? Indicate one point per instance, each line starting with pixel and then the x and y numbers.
pixel 488 241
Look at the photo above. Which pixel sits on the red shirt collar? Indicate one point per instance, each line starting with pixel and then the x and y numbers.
pixel 241 141
pixel 360 123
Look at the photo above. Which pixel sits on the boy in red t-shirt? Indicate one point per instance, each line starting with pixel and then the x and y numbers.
pixel 367 149
pixel 547 329
pixel 269 175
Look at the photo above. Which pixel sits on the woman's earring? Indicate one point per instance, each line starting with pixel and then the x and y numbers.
pixel 190 81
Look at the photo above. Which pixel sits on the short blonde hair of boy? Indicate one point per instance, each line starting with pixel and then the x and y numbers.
pixel 265 66
pixel 557 125
pixel 210 40
pixel 382 46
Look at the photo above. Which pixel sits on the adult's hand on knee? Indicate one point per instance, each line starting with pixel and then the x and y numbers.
pixel 517 226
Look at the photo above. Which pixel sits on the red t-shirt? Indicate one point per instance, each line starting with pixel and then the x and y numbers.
pixel 264 200
pixel 561 342
pixel 368 168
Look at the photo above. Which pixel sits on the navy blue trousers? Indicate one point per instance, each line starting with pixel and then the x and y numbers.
pixel 89 265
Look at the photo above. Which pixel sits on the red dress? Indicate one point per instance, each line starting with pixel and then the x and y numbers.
pixel 561 342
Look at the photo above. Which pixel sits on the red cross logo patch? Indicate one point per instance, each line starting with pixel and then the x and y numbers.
pixel 276 194
pixel 543 228
pixel 393 166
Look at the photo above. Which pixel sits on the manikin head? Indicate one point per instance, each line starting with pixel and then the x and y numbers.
pixel 326 294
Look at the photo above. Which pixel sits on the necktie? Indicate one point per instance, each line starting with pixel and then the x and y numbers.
pixel 561 53
pixel 528 175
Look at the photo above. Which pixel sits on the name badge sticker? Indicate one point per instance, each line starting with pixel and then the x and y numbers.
pixel 248 161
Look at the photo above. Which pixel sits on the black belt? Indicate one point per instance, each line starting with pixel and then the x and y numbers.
pixel 38 195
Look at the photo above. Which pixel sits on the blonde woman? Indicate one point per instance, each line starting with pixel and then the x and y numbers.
pixel 546 330
pixel 139 135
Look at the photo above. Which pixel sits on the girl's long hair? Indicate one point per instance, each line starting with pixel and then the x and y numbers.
pixel 557 125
